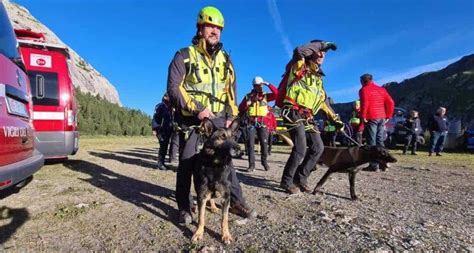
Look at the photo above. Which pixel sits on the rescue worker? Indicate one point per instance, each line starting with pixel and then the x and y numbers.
pixel 329 134
pixel 356 122
pixel 305 96
pixel 271 123
pixel 413 127
pixel 255 104
pixel 162 126
pixel 201 84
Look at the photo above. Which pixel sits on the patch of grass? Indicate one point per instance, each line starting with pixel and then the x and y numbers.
pixel 104 142
pixel 75 190
pixel 73 210
pixel 448 159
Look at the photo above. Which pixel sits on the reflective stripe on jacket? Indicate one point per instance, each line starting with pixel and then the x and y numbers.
pixel 197 80
pixel 305 89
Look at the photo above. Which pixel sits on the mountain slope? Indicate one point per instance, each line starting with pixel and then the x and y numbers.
pixel 83 75
pixel 451 87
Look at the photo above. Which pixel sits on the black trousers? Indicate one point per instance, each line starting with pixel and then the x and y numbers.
pixel 270 141
pixel 164 140
pixel 262 134
pixel 188 155
pixel 174 145
pixel 410 140
pixel 308 148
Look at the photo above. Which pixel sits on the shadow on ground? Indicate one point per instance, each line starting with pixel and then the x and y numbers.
pixel 142 194
pixel 17 217
pixel 258 181
pixel 112 155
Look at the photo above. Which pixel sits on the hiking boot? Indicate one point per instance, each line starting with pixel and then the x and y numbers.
pixel 414 153
pixel 161 166
pixel 266 167
pixel 185 218
pixel 251 168
pixel 430 153
pixel 305 188
pixel 243 211
pixel 290 189
pixel 438 154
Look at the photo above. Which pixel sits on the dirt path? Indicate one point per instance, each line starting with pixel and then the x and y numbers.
pixel 109 197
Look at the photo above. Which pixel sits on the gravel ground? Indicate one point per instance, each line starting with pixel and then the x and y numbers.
pixel 110 197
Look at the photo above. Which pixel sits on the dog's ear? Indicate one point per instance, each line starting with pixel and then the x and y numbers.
pixel 207 127
pixel 234 126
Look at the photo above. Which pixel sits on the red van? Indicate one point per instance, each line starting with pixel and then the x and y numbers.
pixel 18 157
pixel 54 103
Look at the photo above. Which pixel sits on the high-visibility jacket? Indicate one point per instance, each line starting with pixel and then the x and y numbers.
pixel 305 90
pixel 258 108
pixel 355 118
pixel 208 81
pixel 328 127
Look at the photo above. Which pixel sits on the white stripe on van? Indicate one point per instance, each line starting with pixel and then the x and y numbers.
pixel 48 115
pixel 2 90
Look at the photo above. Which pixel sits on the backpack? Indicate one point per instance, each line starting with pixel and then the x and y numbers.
pixel 284 83
pixel 282 87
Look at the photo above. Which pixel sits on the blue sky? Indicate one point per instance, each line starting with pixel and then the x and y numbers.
pixel 132 42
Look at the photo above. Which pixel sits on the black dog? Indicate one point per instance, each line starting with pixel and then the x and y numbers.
pixel 211 174
pixel 348 160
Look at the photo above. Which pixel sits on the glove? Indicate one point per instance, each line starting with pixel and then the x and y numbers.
pixel 339 125
pixel 329 45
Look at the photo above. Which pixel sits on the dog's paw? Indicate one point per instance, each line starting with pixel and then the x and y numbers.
pixel 197 236
pixel 227 238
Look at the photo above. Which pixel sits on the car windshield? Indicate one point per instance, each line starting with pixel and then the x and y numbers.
pixel 8 44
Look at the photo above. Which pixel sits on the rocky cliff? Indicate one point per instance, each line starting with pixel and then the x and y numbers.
pixel 83 75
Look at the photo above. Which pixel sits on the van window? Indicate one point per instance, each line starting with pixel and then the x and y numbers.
pixel 7 36
pixel 44 88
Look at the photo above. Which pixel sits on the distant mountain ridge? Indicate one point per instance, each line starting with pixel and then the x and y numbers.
pixel 451 87
pixel 83 75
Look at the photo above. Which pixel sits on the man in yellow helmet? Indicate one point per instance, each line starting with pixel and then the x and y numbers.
pixel 305 96
pixel 255 105
pixel 201 84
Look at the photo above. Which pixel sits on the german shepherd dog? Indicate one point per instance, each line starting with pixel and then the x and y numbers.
pixel 348 160
pixel 211 174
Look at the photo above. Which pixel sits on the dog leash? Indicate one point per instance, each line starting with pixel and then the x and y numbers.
pixel 350 138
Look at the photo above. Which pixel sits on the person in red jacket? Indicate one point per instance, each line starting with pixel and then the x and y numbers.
pixel 255 105
pixel 270 122
pixel 376 108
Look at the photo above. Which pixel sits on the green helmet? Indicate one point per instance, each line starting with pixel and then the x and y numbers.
pixel 210 15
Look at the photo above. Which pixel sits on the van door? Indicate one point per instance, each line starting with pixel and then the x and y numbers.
pixel 46 100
